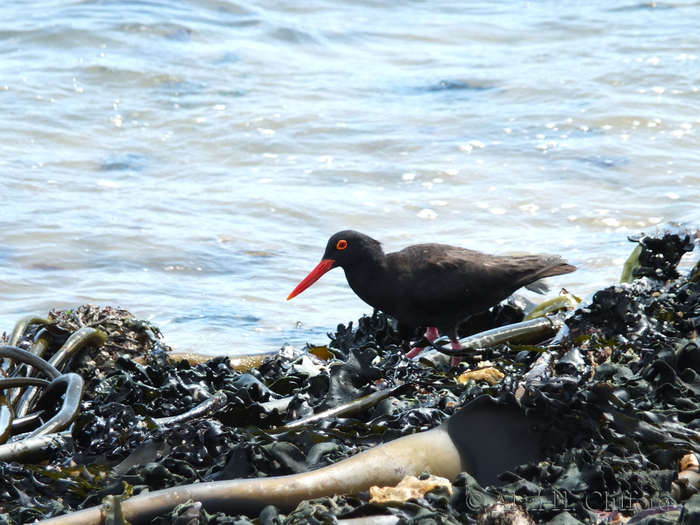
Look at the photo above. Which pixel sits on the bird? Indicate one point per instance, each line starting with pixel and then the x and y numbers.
pixel 433 286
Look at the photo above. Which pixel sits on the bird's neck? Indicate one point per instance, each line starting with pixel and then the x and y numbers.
pixel 368 279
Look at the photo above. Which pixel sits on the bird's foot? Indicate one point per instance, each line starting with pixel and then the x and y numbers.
pixel 414 352
pixel 431 334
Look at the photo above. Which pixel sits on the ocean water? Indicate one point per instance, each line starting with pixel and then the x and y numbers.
pixel 187 160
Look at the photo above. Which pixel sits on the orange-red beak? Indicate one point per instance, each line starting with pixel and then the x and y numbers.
pixel 314 275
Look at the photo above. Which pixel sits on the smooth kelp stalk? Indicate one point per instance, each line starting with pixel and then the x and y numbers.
pixel 618 388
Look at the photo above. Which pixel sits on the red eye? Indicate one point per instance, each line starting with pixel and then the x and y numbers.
pixel 341 244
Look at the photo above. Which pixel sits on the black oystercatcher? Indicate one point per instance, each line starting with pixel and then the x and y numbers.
pixel 431 285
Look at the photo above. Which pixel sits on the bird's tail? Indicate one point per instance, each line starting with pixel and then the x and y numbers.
pixel 540 286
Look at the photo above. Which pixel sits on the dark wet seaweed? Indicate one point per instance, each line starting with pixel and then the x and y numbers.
pixel 622 396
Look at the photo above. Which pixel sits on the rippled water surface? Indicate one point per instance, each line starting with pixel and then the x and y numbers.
pixel 188 160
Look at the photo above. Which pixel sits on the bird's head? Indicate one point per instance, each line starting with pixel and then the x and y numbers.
pixel 344 249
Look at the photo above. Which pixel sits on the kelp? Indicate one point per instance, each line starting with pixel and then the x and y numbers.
pixel 619 386
pixel 56 348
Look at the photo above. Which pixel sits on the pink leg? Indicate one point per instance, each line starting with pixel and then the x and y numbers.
pixel 456 360
pixel 430 334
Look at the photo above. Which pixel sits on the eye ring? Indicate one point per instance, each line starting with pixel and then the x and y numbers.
pixel 341 244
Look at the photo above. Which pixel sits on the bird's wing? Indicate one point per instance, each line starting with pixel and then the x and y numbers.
pixel 440 280
pixel 446 277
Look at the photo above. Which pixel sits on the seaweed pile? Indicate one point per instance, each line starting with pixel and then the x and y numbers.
pixel 619 385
